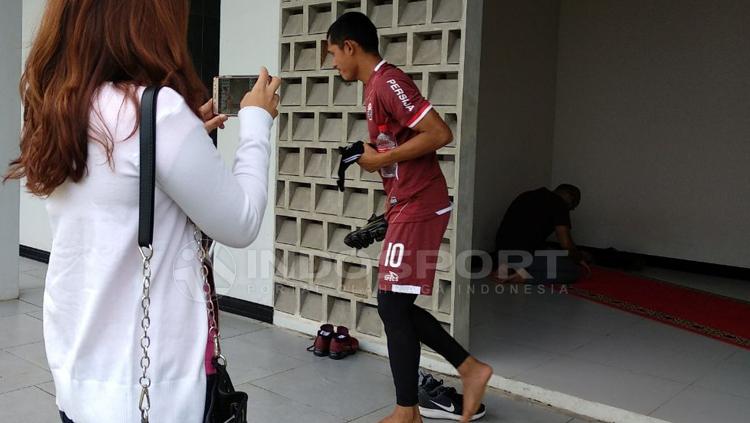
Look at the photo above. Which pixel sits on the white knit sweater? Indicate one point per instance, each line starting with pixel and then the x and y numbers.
pixel 92 308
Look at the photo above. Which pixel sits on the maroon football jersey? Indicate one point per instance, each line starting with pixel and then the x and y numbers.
pixel 418 190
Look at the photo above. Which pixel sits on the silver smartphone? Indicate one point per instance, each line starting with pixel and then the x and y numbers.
pixel 229 91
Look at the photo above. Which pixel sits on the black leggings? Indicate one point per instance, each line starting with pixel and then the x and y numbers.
pixel 210 381
pixel 406 325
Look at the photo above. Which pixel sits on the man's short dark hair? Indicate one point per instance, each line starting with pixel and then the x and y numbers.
pixel 572 190
pixel 354 26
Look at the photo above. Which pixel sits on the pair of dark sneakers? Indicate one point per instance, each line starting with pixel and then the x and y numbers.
pixel 336 345
pixel 437 401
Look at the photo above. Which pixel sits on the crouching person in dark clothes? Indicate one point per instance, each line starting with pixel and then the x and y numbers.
pixel 522 252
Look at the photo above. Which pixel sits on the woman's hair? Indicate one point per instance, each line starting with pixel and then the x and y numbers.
pixel 79 45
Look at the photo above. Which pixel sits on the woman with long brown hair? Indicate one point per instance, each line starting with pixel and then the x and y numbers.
pixel 88 67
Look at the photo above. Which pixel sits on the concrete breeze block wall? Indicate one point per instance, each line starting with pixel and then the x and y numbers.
pixel 317 277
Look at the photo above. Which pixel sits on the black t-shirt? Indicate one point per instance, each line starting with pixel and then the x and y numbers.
pixel 531 219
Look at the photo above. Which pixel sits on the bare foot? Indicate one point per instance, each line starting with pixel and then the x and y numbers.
pixel 474 376
pixel 404 415
pixel 516 278
pixel 502 275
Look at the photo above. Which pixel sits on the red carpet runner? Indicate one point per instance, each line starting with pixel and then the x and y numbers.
pixel 715 316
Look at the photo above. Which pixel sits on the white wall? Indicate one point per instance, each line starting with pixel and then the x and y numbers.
pixel 10 126
pixel 652 122
pixel 34 225
pixel 249 39
pixel 516 108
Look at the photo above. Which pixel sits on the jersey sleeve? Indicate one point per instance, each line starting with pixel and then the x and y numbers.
pixel 401 99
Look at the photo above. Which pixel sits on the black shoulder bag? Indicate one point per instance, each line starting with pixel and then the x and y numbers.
pixel 223 403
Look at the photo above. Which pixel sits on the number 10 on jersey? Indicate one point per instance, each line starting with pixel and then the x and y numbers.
pixel 394 254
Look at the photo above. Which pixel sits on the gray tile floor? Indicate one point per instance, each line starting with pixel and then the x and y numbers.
pixel 598 353
pixel 285 383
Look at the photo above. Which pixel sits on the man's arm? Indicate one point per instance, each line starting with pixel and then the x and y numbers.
pixel 562 232
pixel 432 134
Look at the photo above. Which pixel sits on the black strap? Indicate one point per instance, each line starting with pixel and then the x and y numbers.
pixel 148 166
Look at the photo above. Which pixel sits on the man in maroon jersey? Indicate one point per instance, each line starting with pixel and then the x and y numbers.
pixel 408 132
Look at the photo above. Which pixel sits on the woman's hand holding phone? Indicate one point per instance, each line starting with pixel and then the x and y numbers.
pixel 210 120
pixel 264 94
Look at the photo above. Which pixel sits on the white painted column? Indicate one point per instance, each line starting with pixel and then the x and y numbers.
pixel 10 126
pixel 249 39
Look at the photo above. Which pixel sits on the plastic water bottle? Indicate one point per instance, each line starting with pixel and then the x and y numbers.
pixel 384 143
